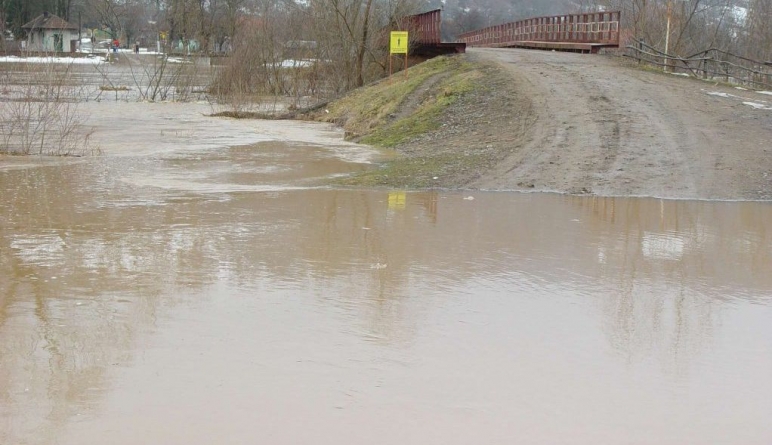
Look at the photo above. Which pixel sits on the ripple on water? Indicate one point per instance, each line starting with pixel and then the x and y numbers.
pixel 125 282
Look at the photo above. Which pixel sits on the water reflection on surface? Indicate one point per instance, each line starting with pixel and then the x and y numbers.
pixel 197 298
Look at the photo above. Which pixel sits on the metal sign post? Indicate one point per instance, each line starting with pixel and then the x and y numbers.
pixel 398 44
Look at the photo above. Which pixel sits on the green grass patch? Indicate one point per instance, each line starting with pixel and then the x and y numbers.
pixel 365 110
pixel 427 116
pixel 444 170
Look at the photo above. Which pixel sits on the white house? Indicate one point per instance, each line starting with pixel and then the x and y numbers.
pixel 50 33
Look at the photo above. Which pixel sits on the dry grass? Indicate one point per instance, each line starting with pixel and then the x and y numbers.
pixel 372 108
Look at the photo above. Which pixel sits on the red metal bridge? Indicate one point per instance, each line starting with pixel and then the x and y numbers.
pixel 425 35
pixel 572 32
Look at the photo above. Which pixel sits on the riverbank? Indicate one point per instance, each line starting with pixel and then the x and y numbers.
pixel 559 122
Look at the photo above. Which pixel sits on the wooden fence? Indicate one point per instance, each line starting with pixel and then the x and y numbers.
pixel 711 64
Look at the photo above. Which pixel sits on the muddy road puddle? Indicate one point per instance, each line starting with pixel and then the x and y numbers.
pixel 195 292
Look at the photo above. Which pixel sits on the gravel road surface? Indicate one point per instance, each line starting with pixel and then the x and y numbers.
pixel 592 124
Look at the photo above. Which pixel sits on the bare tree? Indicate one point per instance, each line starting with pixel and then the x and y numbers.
pixel 759 36
pixel 741 26
pixel 40 115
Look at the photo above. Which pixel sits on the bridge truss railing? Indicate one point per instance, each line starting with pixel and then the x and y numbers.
pixel 424 28
pixel 599 28
pixel 426 36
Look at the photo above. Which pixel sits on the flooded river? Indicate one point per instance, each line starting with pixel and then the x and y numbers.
pixel 193 285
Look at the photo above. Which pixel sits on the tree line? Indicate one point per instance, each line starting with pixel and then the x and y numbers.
pixel 742 27
pixel 345 32
pixel 349 36
pixel 695 24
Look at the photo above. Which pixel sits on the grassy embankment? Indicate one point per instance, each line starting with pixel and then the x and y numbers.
pixel 396 111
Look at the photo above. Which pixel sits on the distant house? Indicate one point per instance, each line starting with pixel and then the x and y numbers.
pixel 50 33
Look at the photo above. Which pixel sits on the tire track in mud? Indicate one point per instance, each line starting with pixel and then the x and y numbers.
pixel 414 101
pixel 602 128
pixel 572 137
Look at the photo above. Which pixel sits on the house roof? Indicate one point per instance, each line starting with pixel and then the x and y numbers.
pixel 48 21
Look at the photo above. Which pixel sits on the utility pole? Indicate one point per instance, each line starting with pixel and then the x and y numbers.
pixel 667 32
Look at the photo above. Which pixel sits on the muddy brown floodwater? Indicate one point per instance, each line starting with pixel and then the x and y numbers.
pixel 195 287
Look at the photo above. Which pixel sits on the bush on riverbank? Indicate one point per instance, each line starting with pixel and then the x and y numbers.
pixel 39 112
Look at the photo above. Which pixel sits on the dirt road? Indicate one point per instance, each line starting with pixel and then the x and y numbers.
pixel 591 124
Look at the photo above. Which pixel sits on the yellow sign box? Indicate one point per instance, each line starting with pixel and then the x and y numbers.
pixel 399 42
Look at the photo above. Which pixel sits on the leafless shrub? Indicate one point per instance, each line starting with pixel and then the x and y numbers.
pixel 152 78
pixel 307 53
pixel 260 69
pixel 39 112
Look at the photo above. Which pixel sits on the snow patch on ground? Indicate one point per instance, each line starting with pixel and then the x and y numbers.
pixel 177 60
pixel 291 63
pixel 768 93
pixel 757 106
pixel 63 60
pixel 719 94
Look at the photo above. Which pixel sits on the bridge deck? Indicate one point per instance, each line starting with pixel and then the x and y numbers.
pixel 592 48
